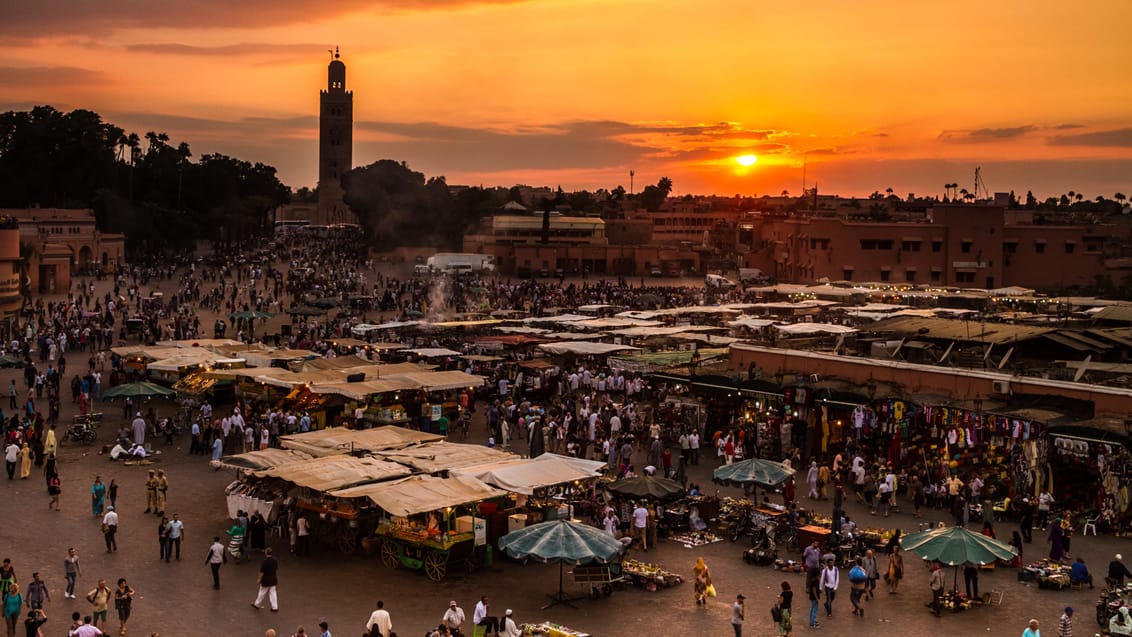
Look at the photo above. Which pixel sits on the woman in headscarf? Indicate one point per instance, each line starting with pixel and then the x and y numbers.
pixel 702 577
pixel 1056 547
pixel 1016 542
pixel 97 496
pixel 25 461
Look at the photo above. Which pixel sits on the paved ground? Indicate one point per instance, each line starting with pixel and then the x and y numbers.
pixel 177 598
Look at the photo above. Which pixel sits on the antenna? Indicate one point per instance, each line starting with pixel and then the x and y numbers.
pixel 632 173
pixel 803 175
pixel 979 183
pixel 336 55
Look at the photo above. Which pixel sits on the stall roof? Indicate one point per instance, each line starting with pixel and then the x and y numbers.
pixel 585 348
pixel 560 318
pixel 348 342
pixel 524 475
pixel 442 456
pixel 616 321
pixel 970 331
pixel 338 440
pixel 335 472
pixel 439 381
pixel 421 494
pixel 481 358
pixel 430 352
pixel 815 328
pixel 358 391
pixel 366 328
pixel 638 332
pixel 582 464
pixel 751 323
pixel 184 359
pixel 536 364
pixel 263 459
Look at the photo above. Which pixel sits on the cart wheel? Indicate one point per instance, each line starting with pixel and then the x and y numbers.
pixel 389 554
pixel 606 590
pixel 436 565
pixel 347 540
pixel 595 592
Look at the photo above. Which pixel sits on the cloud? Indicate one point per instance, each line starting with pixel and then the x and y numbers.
pixel 242 49
pixel 44 76
pixel 828 151
pixel 1115 138
pixel 985 135
pixel 32 19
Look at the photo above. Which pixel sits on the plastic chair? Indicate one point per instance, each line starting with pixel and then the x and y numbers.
pixel 1090 523
pixel 479 631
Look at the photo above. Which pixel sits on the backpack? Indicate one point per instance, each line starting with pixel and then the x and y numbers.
pixel 857 575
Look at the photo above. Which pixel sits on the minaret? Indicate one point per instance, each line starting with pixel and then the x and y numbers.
pixel 335 143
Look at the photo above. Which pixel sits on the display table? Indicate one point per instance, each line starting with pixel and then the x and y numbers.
pixel 650 576
pixel 807 534
pixel 1052 576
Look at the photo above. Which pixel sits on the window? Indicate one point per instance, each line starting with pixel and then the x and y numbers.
pixel 910 246
pixel 910 276
pixel 937 246
pixel 884 244
pixel 876 244
pixel 1010 247
pixel 964 277
pixel 885 275
pixel 819 244
pixel 847 274
pixel 1040 247
pixel 868 244
pixel 1092 247
pixel 1070 247
pixel 936 276
pixel 965 247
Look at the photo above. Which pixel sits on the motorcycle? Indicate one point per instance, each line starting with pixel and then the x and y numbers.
pixel 80 432
pixel 763 551
pixel 1108 605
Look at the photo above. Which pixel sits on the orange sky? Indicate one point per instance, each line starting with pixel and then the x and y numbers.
pixel 874 94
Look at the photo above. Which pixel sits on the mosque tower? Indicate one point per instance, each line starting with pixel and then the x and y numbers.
pixel 335 143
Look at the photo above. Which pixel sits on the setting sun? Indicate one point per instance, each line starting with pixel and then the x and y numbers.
pixel 746 160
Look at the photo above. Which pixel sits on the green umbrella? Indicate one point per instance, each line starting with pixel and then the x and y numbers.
pixel 325 302
pixel 306 310
pixel 765 473
pixel 648 487
pixel 956 545
pixel 561 541
pixel 137 390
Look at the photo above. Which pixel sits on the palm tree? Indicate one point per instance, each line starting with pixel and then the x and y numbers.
pixel 1079 197
pixel 1119 197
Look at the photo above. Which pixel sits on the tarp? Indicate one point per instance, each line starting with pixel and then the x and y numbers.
pixel 814 328
pixel 750 323
pixel 358 391
pixel 430 352
pixel 439 381
pixel 338 440
pixel 263 459
pixel 421 494
pixel 442 456
pixel 591 466
pixel 584 348
pixel 335 472
pixel 524 475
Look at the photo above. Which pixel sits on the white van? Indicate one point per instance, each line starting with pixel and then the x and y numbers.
pixel 717 281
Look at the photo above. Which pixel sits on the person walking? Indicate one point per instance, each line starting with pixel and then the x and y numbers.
pixel 785 602
pixel 894 572
pixel 702 575
pixel 268 580
pixel 162 490
pixel 71 570
pixel 1065 624
pixel 216 556
pixel 380 624
pixel 813 591
pixel 37 592
pixel 11 458
pixel 97 496
pixel 13 603
pixel 830 580
pixel 54 489
pixel 738 614
pixel 110 529
pixel 640 517
pixel 123 603
pixel 453 618
pixel 151 492
pixel 935 582
pixel 869 563
pixel 1032 629
pixel 163 538
pixel 99 600
pixel 858 586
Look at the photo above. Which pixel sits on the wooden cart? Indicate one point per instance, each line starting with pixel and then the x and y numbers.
pixel 432 554
pixel 337 527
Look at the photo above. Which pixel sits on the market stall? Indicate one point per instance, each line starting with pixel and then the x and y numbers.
pixel 338 440
pixel 419 528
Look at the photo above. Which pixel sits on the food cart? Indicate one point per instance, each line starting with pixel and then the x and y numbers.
pixel 419 528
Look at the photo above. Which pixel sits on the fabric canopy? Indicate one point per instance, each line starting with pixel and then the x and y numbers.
pixel 263 459
pixel 431 352
pixel 338 440
pixel 584 347
pixel 442 456
pixel 648 487
pixel 526 475
pixel 766 473
pixel 421 494
pixel 956 545
pixel 335 472
pixel 814 328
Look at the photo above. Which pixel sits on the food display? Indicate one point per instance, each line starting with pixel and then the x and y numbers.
pixel 696 538
pixel 649 575
pixel 551 629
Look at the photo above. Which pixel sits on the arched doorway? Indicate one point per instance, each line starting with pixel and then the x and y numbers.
pixel 85 256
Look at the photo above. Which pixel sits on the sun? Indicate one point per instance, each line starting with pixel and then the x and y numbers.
pixel 746 160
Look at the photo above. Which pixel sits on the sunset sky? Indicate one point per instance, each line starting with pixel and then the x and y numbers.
pixel 870 94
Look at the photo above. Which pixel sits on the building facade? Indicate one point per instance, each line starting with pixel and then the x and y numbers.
pixel 59 244
pixel 335 144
